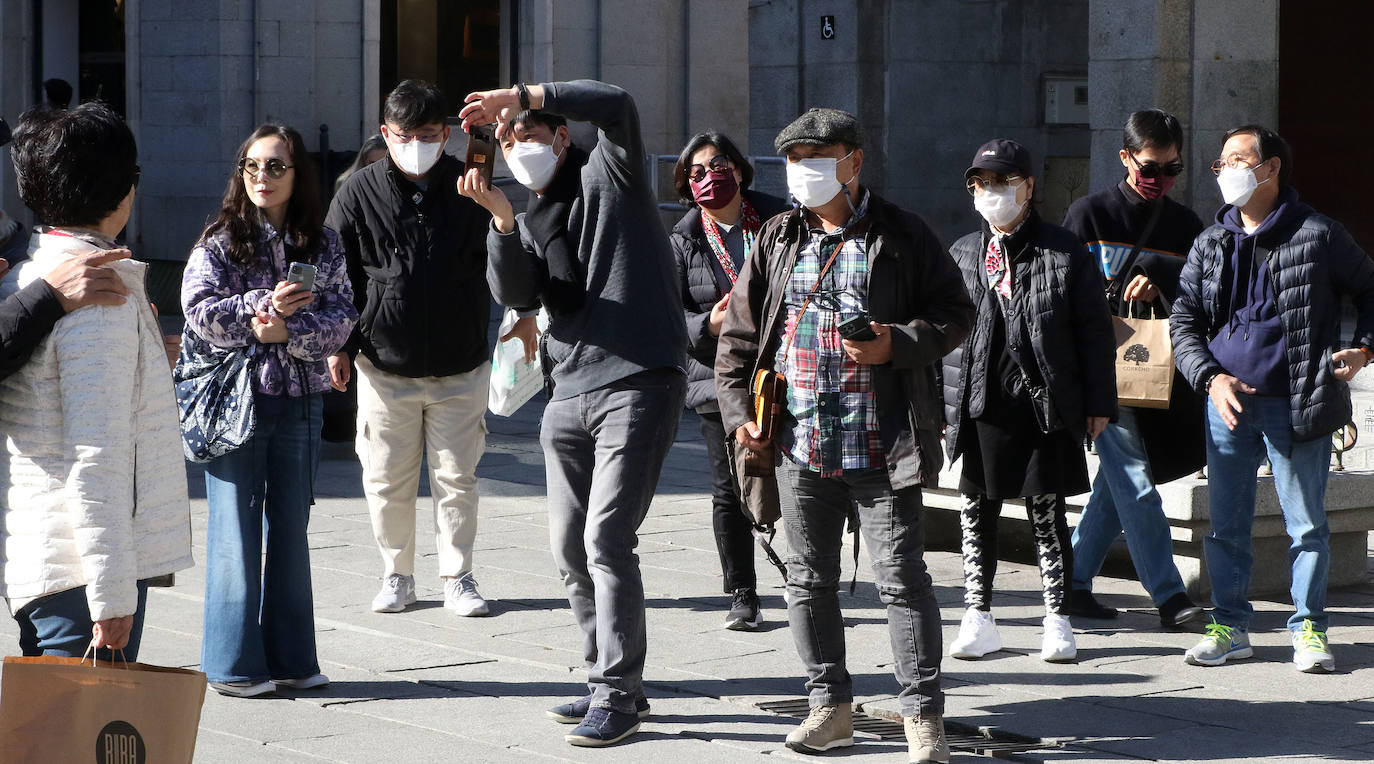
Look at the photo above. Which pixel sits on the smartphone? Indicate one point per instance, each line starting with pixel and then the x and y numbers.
pixel 481 150
pixel 857 329
pixel 303 274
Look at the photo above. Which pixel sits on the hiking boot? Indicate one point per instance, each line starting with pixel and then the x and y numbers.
pixel 1058 646
pixel 925 739
pixel 825 728
pixel 461 596
pixel 1082 603
pixel 977 635
pixel 1178 610
pixel 1311 651
pixel 1221 643
pixel 397 592
pixel 572 713
pixel 744 611
pixel 602 727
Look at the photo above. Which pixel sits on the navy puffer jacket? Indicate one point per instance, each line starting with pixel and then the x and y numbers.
pixel 1058 301
pixel 1312 262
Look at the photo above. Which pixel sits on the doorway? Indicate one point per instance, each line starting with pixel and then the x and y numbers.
pixel 455 44
pixel 81 44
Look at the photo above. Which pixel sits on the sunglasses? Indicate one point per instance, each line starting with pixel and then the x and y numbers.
pixel 275 168
pixel 1155 169
pixel 998 184
pixel 717 163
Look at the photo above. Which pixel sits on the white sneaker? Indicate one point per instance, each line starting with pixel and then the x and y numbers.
pixel 461 596
pixel 306 683
pixel 245 688
pixel 977 636
pixel 397 592
pixel 1058 645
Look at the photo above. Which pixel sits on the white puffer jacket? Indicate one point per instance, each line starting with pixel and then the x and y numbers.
pixel 94 488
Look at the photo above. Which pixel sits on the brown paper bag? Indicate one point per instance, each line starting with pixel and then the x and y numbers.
pixel 59 709
pixel 1144 362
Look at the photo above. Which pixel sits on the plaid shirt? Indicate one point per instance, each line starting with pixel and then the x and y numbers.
pixel 828 394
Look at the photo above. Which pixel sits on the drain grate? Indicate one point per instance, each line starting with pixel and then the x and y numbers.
pixel 982 741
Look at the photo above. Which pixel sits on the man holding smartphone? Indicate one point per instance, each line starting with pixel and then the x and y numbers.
pixel 417 258
pixel 591 249
pixel 862 422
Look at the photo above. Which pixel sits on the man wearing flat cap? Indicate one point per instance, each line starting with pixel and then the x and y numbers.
pixel 853 301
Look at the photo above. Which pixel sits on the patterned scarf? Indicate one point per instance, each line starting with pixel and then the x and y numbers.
pixel 994 264
pixel 749 219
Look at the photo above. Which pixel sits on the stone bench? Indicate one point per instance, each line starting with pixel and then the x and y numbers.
pixel 1349 511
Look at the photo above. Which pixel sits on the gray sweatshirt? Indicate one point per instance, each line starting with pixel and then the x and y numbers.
pixel 631 319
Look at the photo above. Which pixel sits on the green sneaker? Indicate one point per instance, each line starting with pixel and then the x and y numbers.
pixel 1311 651
pixel 1221 644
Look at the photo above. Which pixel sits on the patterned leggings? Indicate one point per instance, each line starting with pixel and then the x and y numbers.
pixel 978 521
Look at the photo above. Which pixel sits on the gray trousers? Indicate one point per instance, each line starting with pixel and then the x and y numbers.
pixel 814 510
pixel 603 451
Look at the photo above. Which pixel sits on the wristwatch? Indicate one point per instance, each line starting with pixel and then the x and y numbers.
pixel 524 93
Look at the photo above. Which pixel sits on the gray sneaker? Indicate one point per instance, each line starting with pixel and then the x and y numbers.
pixel 925 739
pixel 1221 644
pixel 461 596
pixel 1311 651
pixel 825 728
pixel 397 592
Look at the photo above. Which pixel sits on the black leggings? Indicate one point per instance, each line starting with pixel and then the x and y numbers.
pixel 734 531
pixel 978 522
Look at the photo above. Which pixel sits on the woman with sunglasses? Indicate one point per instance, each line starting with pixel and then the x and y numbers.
pixel 710 244
pixel 259 632
pixel 1143 447
pixel 1036 375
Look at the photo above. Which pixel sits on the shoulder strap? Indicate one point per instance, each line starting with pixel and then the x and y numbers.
pixel 1114 290
pixel 807 302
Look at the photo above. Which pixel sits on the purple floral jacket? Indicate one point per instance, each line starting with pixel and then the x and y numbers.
pixel 219 299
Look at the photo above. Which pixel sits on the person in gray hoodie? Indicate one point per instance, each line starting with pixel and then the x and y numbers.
pixel 591 249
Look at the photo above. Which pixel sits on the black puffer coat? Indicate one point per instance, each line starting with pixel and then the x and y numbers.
pixel 1057 301
pixel 696 275
pixel 1312 262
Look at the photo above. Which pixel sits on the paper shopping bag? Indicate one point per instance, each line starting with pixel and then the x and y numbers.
pixel 1144 362
pixel 61 709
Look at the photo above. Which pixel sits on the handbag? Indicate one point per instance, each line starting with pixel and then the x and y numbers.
pixel 214 390
pixel 63 709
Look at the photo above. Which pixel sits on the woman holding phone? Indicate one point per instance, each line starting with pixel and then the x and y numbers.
pixel 246 286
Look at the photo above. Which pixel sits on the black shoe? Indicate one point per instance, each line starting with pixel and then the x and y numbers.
pixel 572 713
pixel 1178 610
pixel 744 611
pixel 603 726
pixel 1083 604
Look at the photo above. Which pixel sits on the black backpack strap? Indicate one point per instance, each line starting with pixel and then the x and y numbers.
pixel 1114 289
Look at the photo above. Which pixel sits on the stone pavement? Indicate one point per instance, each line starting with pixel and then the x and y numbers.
pixel 425 685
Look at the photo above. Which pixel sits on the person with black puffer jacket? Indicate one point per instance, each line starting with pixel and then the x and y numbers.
pixel 1036 375
pixel 710 244
pixel 1256 327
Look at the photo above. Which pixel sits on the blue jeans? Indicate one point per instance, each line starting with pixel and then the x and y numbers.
pixel 1124 498
pixel 260 619
pixel 1300 470
pixel 60 624
pixel 814 510
pixel 603 451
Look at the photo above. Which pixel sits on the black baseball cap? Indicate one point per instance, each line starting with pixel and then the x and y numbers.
pixel 1002 156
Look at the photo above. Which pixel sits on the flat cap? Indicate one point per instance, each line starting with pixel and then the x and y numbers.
pixel 1001 156
pixel 820 127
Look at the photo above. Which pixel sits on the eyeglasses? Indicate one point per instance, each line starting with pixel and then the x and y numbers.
pixel 998 184
pixel 275 168
pixel 138 173
pixel 1155 169
pixel 717 163
pixel 1235 163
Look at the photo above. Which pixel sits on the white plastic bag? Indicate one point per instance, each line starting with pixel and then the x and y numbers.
pixel 513 380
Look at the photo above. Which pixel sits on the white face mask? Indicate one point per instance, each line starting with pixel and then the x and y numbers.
pixel 999 208
pixel 813 181
pixel 1238 184
pixel 533 164
pixel 415 157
